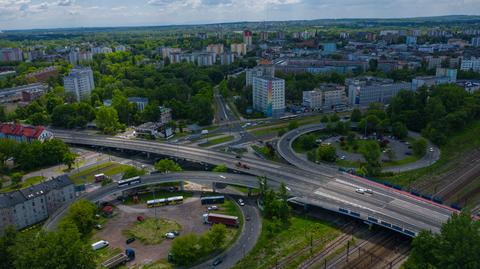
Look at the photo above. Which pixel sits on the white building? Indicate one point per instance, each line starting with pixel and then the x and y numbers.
pixel 475 42
pixel 239 48
pixel 101 50
pixel 206 58
pixel 217 48
pixel 269 96
pixel 80 83
pixel 76 57
pixel 327 97
pixel 365 90
pixel 472 64
pixel 264 69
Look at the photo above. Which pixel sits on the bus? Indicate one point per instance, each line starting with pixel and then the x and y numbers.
pixel 129 181
pixel 212 200
pixel 165 201
pixel 156 202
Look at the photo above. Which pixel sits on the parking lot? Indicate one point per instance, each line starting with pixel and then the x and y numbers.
pixel 188 215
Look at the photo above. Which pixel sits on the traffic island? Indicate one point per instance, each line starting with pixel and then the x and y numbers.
pixel 151 231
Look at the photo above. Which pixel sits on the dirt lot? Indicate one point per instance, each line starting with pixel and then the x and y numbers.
pixel 188 215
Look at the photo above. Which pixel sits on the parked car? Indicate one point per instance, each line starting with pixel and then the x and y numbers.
pixel 241 202
pixel 176 233
pixel 98 226
pixel 140 218
pixel 170 235
pixel 213 207
pixel 217 261
pixel 130 240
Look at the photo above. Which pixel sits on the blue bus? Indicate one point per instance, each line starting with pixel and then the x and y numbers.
pixel 212 200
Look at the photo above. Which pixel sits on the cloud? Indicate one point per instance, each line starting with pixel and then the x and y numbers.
pixel 65 3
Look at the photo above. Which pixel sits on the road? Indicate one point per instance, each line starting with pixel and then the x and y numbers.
pixel 325 187
pixel 245 242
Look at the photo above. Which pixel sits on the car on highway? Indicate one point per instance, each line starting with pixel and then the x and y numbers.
pixel 213 207
pixel 238 156
pixel 431 150
pixel 241 202
pixel 343 157
pixel 217 261
pixel 369 191
pixel 222 176
pixel 360 190
pixel 247 218
pixel 170 235
pixel 130 240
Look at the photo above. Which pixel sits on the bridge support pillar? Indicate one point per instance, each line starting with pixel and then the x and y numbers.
pixel 305 207
pixel 249 191
pixel 148 155
pixel 182 185
pixel 214 189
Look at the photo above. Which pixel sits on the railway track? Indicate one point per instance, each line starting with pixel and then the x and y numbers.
pixel 347 230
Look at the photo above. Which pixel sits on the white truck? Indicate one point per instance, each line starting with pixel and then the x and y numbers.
pixel 99 245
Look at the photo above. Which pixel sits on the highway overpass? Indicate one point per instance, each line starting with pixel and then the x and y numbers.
pixel 325 187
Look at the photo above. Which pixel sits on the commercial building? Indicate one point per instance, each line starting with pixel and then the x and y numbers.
pixel 365 90
pixel 11 55
pixel 80 83
pixel 269 96
pixel 24 133
pixel 327 97
pixel 36 203
pixel 442 76
pixel 12 95
pixel 247 38
pixel 472 64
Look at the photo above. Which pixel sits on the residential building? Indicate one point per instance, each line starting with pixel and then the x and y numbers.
pixel 449 73
pixel 120 48
pixel 457 42
pixel 472 64
pixel 269 96
pixel 25 207
pixel 475 41
pixel 239 49
pixel 443 76
pixel 471 86
pixel 327 97
pixel 12 95
pixel 411 40
pixel 264 35
pixel 24 133
pixel 227 58
pixel 329 48
pixel 365 90
pixel 264 69
pixel 101 50
pixel 140 102
pixel 216 48
pixel 43 75
pixel 247 38
pixel 166 51
pixel 79 82
pixel 177 57
pixel 76 57
pixel 11 55
pixel 202 35
pixel 280 35
pixel 206 58
pixel 344 35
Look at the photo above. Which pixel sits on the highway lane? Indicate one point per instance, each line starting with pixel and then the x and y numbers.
pixel 302 181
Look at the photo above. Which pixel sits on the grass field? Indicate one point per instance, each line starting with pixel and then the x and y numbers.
pixel 267 131
pixel 108 168
pixel 25 183
pixel 264 152
pixel 272 247
pixel 152 231
pixel 457 145
pixel 217 141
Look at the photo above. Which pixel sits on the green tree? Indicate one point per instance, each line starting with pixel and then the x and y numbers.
pixel 7 240
pixel 69 159
pixel 356 115
pixel 185 249
pixel 82 215
pixel 327 153
pixel 221 168
pixel 324 119
pixel 167 165
pixel 371 152
pixel 457 245
pixel 307 141
pixel 217 235
pixel 334 118
pixel 133 172
pixel 292 125
pixel 107 120
pixel 399 130
pixel 419 147
pixel 16 178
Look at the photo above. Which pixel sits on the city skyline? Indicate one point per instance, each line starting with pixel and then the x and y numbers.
pixel 39 14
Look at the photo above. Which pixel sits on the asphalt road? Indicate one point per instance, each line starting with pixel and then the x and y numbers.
pixel 322 186
pixel 246 241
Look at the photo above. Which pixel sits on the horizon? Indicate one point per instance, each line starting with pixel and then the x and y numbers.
pixel 61 14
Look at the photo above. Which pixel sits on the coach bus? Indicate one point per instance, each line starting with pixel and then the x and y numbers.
pixel 129 181
pixel 212 200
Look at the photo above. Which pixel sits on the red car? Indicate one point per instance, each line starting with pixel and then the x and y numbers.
pixel 140 218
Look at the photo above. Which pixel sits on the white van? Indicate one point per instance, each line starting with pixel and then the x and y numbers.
pixel 99 245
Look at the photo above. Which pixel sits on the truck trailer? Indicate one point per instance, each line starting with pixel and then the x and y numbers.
pixel 212 218
pixel 119 259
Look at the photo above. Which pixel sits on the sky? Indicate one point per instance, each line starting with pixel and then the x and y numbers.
pixel 35 14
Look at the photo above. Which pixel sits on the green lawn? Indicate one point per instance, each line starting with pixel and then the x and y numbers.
pixel 108 168
pixel 457 145
pixel 25 183
pixel 264 152
pixel 217 141
pixel 152 231
pixel 267 131
pixel 407 160
pixel 272 247
pixel 244 190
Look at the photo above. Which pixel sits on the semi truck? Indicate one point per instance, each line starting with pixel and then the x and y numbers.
pixel 212 218
pixel 119 259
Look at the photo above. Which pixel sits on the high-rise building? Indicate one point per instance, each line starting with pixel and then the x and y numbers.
pixel 76 57
pixel 269 96
pixel 264 35
pixel 11 55
pixel 264 69
pixel 327 97
pixel 472 64
pixel 217 48
pixel 247 37
pixel 227 58
pixel 206 58
pixel 238 48
pixel 79 82
pixel 101 50
pixel 475 42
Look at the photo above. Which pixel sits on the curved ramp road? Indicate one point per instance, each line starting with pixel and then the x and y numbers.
pixel 321 186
